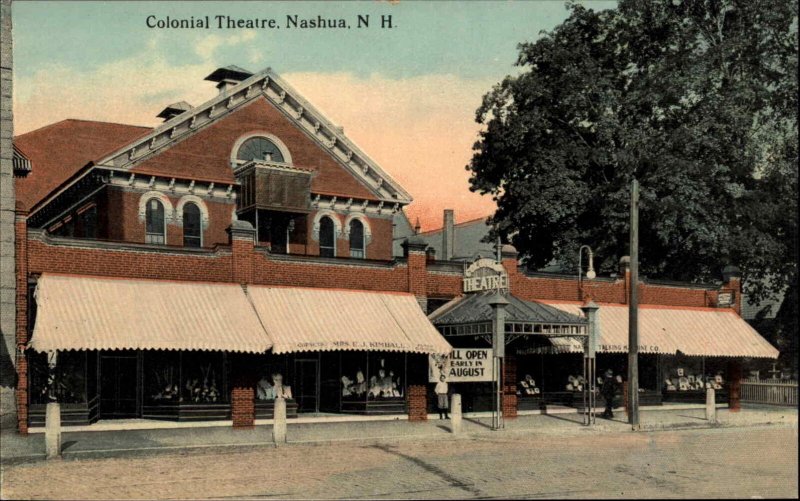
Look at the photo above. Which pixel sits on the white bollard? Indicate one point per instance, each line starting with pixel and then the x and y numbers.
pixel 455 413
pixel 711 405
pixel 52 430
pixel 279 421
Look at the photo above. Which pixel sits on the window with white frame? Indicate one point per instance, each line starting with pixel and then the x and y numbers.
pixel 192 226
pixel 357 246
pixel 327 237
pixel 155 231
pixel 259 148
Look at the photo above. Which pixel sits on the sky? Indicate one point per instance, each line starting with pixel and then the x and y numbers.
pixel 406 95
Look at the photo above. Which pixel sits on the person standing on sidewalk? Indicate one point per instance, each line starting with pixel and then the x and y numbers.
pixel 442 403
pixel 608 390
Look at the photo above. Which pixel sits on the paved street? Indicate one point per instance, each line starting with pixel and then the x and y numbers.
pixel 722 462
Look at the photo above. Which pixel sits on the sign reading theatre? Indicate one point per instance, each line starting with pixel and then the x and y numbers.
pixel 463 365
pixel 485 274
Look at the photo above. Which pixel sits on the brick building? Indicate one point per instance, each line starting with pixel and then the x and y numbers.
pixel 242 250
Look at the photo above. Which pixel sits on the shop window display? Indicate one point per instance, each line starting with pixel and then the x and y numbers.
pixel 372 382
pixel 202 374
pixel 70 378
pixel 162 374
pixel 686 379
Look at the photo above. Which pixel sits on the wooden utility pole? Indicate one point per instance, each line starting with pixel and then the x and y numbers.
pixel 633 313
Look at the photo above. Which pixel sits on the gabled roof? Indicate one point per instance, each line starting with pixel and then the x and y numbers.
pixel 475 308
pixel 268 85
pixel 60 150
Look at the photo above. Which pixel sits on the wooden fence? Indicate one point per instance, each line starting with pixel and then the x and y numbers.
pixel 769 391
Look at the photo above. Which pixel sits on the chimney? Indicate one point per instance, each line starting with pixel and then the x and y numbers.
pixel 174 109
pixel 228 77
pixel 448 235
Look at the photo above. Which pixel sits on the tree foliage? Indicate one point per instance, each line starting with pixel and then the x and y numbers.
pixel 695 99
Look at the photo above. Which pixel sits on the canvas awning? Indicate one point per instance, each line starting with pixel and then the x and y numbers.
pixel 710 332
pixel 89 313
pixel 305 319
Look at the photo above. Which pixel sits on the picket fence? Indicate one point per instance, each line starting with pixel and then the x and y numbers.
pixel 769 391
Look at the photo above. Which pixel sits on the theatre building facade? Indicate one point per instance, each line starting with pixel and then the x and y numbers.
pixel 242 251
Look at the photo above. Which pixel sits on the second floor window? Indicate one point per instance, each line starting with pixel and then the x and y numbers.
pixel 356 239
pixel 155 229
pixel 259 148
pixel 327 240
pixel 192 230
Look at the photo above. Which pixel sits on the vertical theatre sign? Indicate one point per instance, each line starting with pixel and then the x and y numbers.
pixel 485 274
pixel 463 365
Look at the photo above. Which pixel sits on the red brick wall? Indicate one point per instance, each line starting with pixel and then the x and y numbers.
pixel 217 141
pixel 510 387
pixel 121 219
pixel 243 406
pixel 417 403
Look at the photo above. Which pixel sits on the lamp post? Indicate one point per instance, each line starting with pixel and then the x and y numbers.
pixel 590 274
pixel 589 363
pixel 498 304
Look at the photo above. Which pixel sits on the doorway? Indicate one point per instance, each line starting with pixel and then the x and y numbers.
pixel 306 381
pixel 119 385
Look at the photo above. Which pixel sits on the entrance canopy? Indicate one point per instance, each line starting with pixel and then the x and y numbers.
pixel 710 332
pixel 306 319
pixel 88 313
pixel 471 315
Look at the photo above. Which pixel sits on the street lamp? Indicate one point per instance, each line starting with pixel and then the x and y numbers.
pixel 590 274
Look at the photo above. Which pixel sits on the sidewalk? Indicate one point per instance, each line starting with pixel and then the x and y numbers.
pixel 15 448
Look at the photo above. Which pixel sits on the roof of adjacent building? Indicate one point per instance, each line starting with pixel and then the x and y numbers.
pixel 58 151
pixel 468 237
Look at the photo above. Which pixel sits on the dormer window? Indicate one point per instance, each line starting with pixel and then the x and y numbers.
pixel 259 148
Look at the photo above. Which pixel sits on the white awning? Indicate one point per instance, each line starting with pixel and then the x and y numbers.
pixel 89 313
pixel 306 319
pixel 710 332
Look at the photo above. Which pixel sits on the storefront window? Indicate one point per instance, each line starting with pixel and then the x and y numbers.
pixel 202 377
pixel 162 371
pixel 354 376
pixel 274 380
pixel 385 376
pixel 681 373
pixel 70 378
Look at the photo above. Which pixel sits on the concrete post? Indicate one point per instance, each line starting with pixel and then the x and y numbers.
pixel 455 413
pixel 279 421
pixel 52 430
pixel 711 405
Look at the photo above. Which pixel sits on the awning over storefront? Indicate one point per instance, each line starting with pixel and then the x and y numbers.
pixel 305 319
pixel 87 313
pixel 710 332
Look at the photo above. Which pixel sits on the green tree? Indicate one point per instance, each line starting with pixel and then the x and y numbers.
pixel 695 99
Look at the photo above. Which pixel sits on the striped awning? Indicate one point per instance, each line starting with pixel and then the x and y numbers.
pixel 710 332
pixel 92 313
pixel 306 319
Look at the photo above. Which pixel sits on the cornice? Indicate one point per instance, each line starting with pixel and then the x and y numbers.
pixel 270 86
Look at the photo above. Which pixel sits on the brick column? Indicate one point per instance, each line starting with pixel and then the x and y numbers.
pixel 734 385
pixel 417 403
pixel 243 406
pixel 21 250
pixel 509 256
pixel 414 249
pixel 242 240
pixel 510 387
pixel 732 282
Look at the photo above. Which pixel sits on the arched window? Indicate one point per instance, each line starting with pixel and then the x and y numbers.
pixel 327 240
pixel 192 228
pixel 259 148
pixel 155 231
pixel 356 239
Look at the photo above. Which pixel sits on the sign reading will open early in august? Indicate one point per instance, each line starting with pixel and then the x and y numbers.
pixel 463 365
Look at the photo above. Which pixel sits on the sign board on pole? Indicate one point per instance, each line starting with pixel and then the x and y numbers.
pixel 463 365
